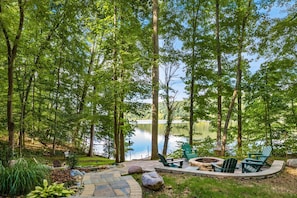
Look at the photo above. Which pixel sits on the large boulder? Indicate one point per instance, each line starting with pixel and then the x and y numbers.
pixel 135 169
pixel 292 162
pixel 152 180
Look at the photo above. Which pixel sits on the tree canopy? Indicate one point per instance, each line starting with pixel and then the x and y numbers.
pixel 76 69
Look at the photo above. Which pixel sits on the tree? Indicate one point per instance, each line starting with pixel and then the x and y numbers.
pixel 240 29
pixel 155 81
pixel 169 96
pixel 219 83
pixel 12 45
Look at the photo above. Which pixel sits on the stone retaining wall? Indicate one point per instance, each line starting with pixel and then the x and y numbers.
pixel 276 167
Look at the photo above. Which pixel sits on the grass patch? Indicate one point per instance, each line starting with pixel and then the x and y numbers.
pixel 192 186
pixel 93 161
pixel 83 160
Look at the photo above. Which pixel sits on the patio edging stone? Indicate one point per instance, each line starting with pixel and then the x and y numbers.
pixel 276 167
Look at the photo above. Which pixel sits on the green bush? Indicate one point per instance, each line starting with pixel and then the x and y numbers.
pixel 72 161
pixel 5 154
pixel 54 190
pixel 21 178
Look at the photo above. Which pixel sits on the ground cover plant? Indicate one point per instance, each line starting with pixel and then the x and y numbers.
pixel 53 190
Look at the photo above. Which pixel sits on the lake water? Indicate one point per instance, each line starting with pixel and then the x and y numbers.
pixel 141 147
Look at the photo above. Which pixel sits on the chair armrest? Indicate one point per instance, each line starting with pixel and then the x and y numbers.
pixel 215 167
pixel 180 162
pixel 251 154
pixel 256 160
pixel 252 163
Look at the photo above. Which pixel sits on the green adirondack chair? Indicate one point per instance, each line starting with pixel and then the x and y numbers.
pixel 260 157
pixel 188 152
pixel 170 162
pixel 251 167
pixel 255 164
pixel 229 166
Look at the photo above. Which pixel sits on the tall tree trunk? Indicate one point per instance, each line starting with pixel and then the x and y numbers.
pixel 122 136
pixel 155 82
pixel 92 129
pixel 57 105
pixel 193 77
pixel 12 47
pixel 169 118
pixel 192 103
pixel 84 93
pixel 219 62
pixel 239 116
pixel 241 33
pixel 115 79
pixel 92 137
pixel 121 121
pixel 293 111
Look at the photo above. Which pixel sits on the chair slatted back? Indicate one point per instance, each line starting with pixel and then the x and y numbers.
pixel 163 160
pixel 265 153
pixel 229 165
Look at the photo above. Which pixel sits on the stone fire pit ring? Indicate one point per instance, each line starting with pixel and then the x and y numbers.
pixel 204 163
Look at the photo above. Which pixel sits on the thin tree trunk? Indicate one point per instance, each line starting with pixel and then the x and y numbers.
pixel 224 140
pixel 84 94
pixel 239 116
pixel 57 106
pixel 219 62
pixel 238 77
pixel 155 82
pixel 195 10
pixel 92 129
pixel 92 136
pixel 122 137
pixel 169 118
pixel 293 112
pixel 115 79
pixel 11 56
pixel 191 132
pixel 121 122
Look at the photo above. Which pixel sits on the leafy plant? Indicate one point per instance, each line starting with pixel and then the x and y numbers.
pixel 54 190
pixel 72 161
pixel 5 155
pixel 205 146
pixel 21 178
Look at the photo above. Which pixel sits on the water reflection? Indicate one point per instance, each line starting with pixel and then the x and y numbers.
pixel 141 147
pixel 142 144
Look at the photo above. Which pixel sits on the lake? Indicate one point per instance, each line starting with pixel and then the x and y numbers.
pixel 141 147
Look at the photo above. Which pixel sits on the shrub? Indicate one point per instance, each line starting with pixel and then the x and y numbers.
pixel 5 154
pixel 54 190
pixel 21 178
pixel 72 161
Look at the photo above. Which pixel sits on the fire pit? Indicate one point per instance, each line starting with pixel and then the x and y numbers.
pixel 204 163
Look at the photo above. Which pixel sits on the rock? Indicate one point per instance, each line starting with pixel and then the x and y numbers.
pixel 75 172
pixel 57 163
pixel 152 180
pixel 292 162
pixel 135 169
pixel 12 163
pixel 77 175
